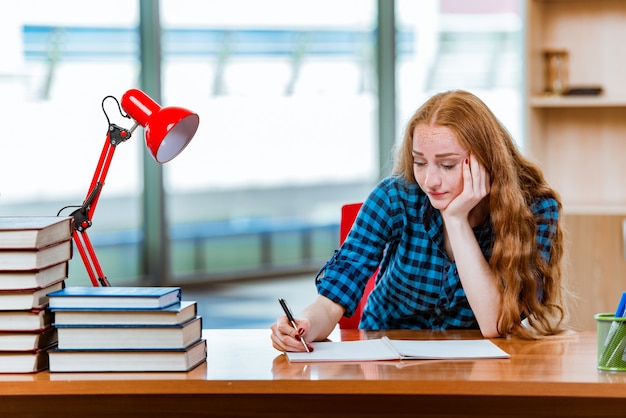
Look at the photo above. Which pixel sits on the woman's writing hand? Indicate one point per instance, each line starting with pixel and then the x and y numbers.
pixel 285 337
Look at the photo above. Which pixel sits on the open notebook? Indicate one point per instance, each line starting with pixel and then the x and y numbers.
pixel 387 349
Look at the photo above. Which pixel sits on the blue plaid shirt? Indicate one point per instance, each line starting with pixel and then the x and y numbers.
pixel 417 285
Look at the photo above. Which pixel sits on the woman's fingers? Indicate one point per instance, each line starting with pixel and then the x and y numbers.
pixel 480 181
pixel 285 337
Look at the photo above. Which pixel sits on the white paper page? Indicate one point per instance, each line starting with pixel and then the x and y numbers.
pixel 361 350
pixel 447 349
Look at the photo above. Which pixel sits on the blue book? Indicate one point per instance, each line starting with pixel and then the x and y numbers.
pixel 114 297
pixel 129 337
pixel 165 360
pixel 170 315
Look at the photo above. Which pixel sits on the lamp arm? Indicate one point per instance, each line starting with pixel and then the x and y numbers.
pixel 83 215
pixel 168 131
pixel 90 260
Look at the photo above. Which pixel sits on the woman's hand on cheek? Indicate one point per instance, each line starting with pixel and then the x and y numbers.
pixel 476 185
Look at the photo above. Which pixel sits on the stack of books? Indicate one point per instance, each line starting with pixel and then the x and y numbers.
pixel 125 329
pixel 34 255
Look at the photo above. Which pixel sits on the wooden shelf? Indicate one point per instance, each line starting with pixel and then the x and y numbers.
pixel 580 141
pixel 576 101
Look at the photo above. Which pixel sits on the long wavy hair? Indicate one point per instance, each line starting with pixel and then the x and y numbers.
pixel 515 183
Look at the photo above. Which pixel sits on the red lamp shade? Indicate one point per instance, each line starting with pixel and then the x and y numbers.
pixel 168 129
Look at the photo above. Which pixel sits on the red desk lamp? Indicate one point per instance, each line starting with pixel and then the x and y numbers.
pixel 168 130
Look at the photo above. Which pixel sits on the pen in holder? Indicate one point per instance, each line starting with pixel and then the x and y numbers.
pixel 611 330
pixel 611 342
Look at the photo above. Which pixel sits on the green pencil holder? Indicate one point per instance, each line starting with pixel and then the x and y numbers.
pixel 611 334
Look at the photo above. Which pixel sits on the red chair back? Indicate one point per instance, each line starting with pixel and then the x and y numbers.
pixel 348 215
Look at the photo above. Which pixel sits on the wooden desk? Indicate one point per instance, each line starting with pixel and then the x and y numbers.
pixel 244 377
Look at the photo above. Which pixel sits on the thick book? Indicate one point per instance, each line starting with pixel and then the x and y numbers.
pixel 14 300
pixel 25 320
pixel 171 315
pixel 386 349
pixel 24 361
pixel 32 232
pixel 171 360
pixel 27 340
pixel 125 337
pixel 35 259
pixel 33 279
pixel 115 297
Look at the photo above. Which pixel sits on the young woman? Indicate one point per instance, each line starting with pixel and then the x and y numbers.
pixel 465 231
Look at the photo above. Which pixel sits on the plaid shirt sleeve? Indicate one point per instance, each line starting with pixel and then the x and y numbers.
pixel 546 211
pixel 343 277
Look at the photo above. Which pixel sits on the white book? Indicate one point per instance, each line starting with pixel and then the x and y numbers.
pixel 386 349
pixel 25 320
pixel 35 259
pixel 166 360
pixel 129 337
pixel 32 279
pixel 13 300
pixel 32 232
pixel 23 361
pixel 28 340
pixel 171 315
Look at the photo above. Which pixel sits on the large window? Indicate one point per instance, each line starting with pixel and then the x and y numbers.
pixel 287 102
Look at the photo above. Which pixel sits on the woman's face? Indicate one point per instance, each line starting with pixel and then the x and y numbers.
pixel 438 163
